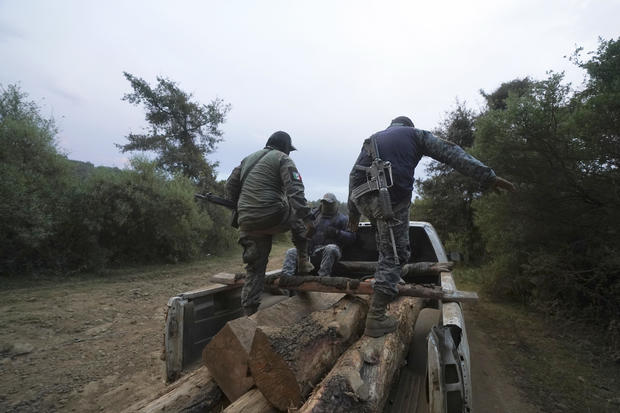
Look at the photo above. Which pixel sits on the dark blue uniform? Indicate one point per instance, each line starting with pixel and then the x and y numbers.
pixel 325 246
pixel 404 146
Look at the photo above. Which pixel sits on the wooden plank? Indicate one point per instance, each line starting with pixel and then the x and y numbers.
pixel 227 278
pixel 251 402
pixel 194 393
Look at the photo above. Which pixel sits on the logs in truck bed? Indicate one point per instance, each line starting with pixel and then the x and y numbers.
pixel 352 286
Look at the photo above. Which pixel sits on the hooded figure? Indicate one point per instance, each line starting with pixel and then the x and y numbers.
pixel 326 244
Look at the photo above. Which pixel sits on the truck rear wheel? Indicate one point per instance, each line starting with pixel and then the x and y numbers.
pixel 445 384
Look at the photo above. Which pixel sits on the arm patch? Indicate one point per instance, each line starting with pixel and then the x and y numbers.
pixel 295 176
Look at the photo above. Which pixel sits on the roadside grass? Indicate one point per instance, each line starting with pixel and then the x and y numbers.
pixel 47 286
pixel 563 365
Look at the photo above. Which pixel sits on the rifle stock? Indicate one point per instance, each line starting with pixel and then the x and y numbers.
pixel 227 203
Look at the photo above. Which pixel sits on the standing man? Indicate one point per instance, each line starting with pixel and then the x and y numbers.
pixel 269 194
pixel 402 146
pixel 326 244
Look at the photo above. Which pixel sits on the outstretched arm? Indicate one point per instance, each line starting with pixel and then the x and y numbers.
pixel 453 155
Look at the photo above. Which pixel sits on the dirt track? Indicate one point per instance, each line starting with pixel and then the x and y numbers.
pixel 95 344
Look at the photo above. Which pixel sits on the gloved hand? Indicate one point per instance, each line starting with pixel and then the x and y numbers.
pixel 443 266
pixel 501 184
pixel 332 232
pixel 310 229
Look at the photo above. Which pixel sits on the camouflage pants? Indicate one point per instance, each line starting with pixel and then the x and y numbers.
pixel 388 273
pixel 256 248
pixel 324 258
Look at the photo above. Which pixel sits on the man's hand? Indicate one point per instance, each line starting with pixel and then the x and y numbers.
pixel 442 266
pixel 500 184
pixel 354 221
pixel 310 229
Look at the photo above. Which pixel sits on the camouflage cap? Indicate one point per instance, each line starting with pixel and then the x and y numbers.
pixel 329 197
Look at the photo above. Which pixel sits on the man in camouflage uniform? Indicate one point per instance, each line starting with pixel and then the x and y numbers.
pixel 403 146
pixel 326 244
pixel 269 194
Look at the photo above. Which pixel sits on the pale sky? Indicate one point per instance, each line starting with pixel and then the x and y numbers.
pixel 330 73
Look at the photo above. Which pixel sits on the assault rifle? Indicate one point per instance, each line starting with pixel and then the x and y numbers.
pixel 214 199
pixel 378 178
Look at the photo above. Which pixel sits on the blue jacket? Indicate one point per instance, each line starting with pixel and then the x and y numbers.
pixel 339 222
pixel 404 146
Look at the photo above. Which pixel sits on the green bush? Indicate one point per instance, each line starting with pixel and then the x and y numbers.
pixel 58 215
pixel 139 216
pixel 35 186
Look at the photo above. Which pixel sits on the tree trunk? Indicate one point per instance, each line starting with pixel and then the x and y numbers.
pixel 287 362
pixel 193 393
pixel 226 355
pixel 361 379
pixel 251 402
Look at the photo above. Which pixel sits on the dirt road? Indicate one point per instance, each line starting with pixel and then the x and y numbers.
pixel 94 344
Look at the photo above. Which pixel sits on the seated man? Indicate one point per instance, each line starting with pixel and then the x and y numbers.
pixel 327 241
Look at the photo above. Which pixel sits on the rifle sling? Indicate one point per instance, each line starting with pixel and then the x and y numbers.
pixel 247 171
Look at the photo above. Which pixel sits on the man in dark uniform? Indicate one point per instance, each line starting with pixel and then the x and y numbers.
pixel 269 194
pixel 326 244
pixel 403 146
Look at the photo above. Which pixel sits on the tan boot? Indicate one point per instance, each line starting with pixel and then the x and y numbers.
pixel 377 322
pixel 304 266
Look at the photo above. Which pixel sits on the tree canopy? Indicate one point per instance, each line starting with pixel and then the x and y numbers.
pixel 181 131
pixel 556 241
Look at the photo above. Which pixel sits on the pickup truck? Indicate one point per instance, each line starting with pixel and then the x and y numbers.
pixel 436 377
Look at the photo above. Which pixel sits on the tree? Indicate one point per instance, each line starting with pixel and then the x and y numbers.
pixel 35 184
pixel 446 196
pixel 556 241
pixel 182 132
pixel 497 99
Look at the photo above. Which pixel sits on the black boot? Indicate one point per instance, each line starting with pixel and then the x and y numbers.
pixel 249 310
pixel 377 323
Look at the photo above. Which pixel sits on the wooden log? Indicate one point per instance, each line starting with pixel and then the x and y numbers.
pixel 287 362
pixel 409 271
pixel 360 381
pixel 226 355
pixel 198 391
pixel 251 402
pixel 356 287
pixel 193 393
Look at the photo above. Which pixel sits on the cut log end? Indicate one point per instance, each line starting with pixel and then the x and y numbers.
pixel 275 375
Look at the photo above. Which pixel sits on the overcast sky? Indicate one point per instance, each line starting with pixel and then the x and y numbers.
pixel 328 72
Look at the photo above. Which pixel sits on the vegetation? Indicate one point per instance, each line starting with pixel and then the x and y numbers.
pixel 555 242
pixel 59 215
pixel 181 132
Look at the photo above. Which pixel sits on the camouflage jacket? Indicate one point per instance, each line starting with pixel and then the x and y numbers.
pixel 404 147
pixel 269 188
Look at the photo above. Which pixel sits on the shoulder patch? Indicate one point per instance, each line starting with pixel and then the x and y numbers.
pixel 295 176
